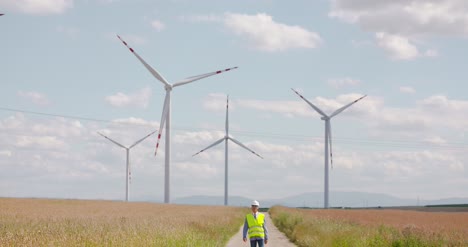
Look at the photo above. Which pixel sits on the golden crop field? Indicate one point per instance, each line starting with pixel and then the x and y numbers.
pixel 49 222
pixel 439 222
pixel 335 227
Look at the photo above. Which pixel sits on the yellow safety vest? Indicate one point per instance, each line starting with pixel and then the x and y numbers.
pixel 256 225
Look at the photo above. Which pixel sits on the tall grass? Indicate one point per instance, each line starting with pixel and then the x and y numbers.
pixel 344 228
pixel 37 222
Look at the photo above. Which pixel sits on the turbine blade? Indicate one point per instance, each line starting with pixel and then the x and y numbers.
pixel 142 139
pixel 148 67
pixel 312 105
pixel 242 145
pixel 212 145
pixel 129 173
pixel 344 107
pixel 198 77
pixel 163 121
pixel 116 143
pixel 227 116
pixel 330 142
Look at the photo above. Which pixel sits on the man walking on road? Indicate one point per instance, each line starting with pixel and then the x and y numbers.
pixel 254 224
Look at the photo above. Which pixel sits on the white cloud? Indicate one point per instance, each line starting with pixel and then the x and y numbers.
pixel 201 18
pixel 35 97
pixel 41 151
pixel 216 102
pixel 301 108
pixel 417 164
pixel 138 99
pixel 46 142
pixel 61 127
pixel 406 122
pixel 431 53
pixel 107 1
pixel 287 108
pixel 198 138
pixel 12 122
pixel 416 17
pixel 428 115
pixel 343 82
pixel 443 103
pixel 412 122
pixel 136 121
pixel 436 140
pixel 5 153
pixel 400 26
pixel 44 151
pixel 37 7
pixel 264 34
pixel 158 25
pixel 401 48
pixel 204 171
pixel 408 90
pixel 398 47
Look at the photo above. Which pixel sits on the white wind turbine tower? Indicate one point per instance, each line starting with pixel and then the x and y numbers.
pixel 166 113
pixel 225 139
pixel 328 138
pixel 128 157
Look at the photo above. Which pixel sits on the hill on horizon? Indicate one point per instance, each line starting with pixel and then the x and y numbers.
pixel 315 200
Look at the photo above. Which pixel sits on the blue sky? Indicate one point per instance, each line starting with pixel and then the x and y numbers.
pixel 407 138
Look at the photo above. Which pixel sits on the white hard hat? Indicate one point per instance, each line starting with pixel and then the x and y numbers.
pixel 255 203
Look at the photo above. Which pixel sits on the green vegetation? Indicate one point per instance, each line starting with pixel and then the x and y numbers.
pixel 34 222
pixel 264 210
pixel 307 230
pixel 448 206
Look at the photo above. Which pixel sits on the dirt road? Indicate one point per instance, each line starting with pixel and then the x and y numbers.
pixel 275 237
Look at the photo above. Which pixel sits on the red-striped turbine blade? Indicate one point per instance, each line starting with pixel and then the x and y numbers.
pixel 163 121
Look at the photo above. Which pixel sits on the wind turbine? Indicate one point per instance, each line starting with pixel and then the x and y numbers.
pixel 166 113
pixel 128 157
pixel 328 138
pixel 225 139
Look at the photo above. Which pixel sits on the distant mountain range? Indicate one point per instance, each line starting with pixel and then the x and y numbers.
pixel 315 200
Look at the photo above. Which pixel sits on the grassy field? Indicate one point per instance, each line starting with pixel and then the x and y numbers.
pixel 342 228
pixel 43 222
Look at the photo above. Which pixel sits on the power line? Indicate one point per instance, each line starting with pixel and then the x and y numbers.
pixel 53 115
pixel 281 136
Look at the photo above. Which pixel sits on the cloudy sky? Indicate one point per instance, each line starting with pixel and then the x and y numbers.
pixel 65 76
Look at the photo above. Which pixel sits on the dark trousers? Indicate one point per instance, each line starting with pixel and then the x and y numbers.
pixel 253 243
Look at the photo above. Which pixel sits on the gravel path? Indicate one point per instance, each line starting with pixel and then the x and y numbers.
pixel 275 237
